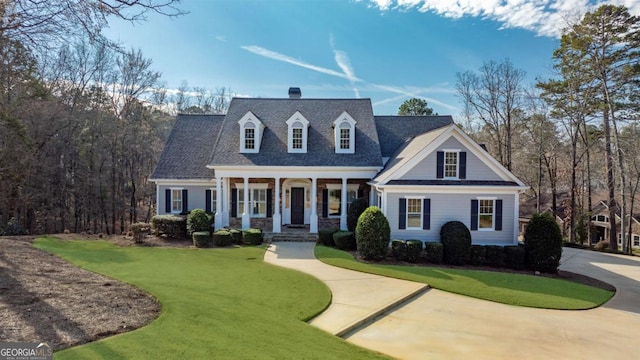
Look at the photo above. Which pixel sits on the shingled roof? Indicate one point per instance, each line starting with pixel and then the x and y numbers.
pixel 394 131
pixel 189 147
pixel 321 113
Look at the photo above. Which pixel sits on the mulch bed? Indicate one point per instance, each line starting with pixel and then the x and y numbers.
pixel 44 298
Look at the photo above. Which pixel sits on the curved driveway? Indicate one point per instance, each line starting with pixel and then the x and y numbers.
pixel 441 325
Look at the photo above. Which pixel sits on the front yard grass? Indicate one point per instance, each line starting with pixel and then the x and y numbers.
pixel 216 303
pixel 506 288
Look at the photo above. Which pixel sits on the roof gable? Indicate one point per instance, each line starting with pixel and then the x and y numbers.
pixel 417 149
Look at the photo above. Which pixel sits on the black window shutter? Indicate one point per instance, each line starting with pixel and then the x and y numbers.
pixel 269 204
pixel 498 224
pixel 207 200
pixel 185 203
pixel 426 214
pixel 325 203
pixel 167 201
pixel 402 213
pixel 462 171
pixel 234 202
pixel 474 214
pixel 440 165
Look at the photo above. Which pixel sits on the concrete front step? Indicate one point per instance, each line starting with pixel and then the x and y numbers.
pixel 292 238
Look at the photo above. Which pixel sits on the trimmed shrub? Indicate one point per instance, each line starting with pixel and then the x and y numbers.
pixel 174 226
pixel 414 249
pixel 198 220
pixel 356 208
pixel 494 256
pixel 514 257
pixel 236 236
pixel 252 236
pixel 543 243
pixel 139 231
pixel 373 234
pixel 456 239
pixel 202 239
pixel 325 236
pixel 399 249
pixel 222 238
pixel 344 240
pixel 434 252
pixel 478 255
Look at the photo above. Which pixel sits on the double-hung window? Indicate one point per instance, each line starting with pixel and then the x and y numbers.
pixel 335 200
pixel 257 202
pixel 451 164
pixel 249 137
pixel 485 214
pixel 176 200
pixel 414 213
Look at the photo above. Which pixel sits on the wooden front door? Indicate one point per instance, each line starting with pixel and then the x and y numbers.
pixel 297 206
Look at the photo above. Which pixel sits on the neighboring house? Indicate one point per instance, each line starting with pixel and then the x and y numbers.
pixel 298 162
pixel 601 226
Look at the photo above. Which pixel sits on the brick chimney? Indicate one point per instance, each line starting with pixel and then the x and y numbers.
pixel 295 93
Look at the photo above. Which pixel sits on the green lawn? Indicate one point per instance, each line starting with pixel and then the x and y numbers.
pixel 513 289
pixel 216 303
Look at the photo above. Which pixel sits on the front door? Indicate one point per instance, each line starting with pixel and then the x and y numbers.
pixel 297 206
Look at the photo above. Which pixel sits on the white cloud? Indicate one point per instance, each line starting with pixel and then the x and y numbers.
pixel 544 17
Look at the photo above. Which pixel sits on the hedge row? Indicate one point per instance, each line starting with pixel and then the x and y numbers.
pixel 498 256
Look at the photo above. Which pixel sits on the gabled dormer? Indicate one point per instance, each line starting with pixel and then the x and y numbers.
pixel 344 130
pixel 298 133
pixel 251 129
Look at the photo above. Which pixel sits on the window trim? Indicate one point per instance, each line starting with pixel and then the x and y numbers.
pixel 295 118
pixel 252 187
pixel 350 188
pixel 258 126
pixel 343 119
pixel 179 190
pixel 421 207
pixel 493 213
pixel 444 164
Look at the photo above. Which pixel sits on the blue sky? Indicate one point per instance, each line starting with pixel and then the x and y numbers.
pixel 386 50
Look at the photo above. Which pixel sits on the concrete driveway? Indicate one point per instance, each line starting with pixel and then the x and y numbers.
pixel 440 325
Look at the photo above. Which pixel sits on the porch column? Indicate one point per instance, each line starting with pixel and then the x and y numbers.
pixel 343 205
pixel 218 215
pixel 277 218
pixel 313 218
pixel 225 198
pixel 246 214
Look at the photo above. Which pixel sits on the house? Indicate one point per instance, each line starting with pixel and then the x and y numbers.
pixel 601 226
pixel 297 162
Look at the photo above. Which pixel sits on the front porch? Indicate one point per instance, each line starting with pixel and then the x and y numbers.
pixel 286 204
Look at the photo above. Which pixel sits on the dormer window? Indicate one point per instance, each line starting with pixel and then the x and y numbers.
pixel 344 133
pixel 297 135
pixel 250 133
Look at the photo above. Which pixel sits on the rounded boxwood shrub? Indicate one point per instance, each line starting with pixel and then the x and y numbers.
pixel 356 208
pixel 434 252
pixel 236 236
pixel 514 257
pixel 344 240
pixel 399 249
pixel 222 238
pixel 478 255
pixel 140 230
pixel 202 239
pixel 198 220
pixel 373 234
pixel 252 236
pixel 414 249
pixel 325 236
pixel 543 243
pixel 495 256
pixel 456 239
